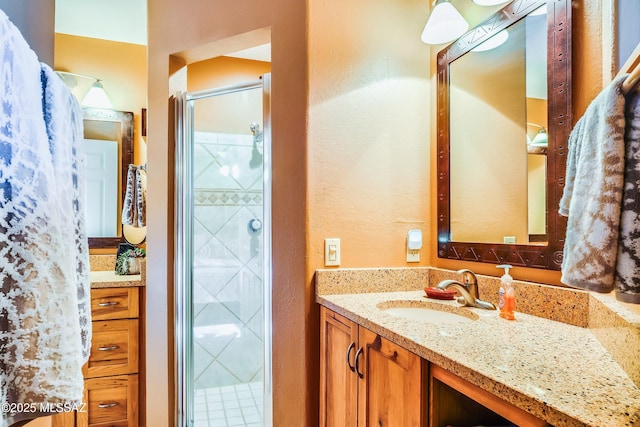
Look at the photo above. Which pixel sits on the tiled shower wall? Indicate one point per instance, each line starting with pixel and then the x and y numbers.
pixel 228 286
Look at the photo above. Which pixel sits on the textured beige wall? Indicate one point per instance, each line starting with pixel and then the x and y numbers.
pixel 194 30
pixel 368 130
pixel 370 96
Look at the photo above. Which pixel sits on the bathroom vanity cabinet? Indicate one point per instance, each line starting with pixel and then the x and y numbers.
pixel 367 380
pixel 111 392
pixel 454 401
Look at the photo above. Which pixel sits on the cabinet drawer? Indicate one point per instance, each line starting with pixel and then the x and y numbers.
pixel 111 402
pixel 114 303
pixel 114 348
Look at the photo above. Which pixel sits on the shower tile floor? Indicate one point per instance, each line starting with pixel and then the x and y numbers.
pixel 234 405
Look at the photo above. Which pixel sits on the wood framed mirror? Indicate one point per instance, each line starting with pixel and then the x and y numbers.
pixel 491 108
pixel 109 151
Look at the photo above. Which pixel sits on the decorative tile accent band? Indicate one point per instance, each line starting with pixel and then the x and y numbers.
pixel 216 197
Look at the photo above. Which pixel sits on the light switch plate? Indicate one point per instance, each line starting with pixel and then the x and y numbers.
pixel 331 252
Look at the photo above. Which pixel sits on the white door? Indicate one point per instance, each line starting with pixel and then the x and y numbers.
pixel 102 187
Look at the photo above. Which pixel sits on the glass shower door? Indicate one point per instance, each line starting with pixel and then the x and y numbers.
pixel 228 224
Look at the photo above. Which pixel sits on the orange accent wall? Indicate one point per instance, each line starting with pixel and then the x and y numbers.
pixel 368 131
pixel 122 68
pixel 224 71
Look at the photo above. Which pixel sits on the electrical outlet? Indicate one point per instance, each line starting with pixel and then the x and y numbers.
pixel 414 244
pixel 509 240
pixel 413 255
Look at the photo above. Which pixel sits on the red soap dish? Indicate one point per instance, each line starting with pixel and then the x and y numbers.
pixel 436 293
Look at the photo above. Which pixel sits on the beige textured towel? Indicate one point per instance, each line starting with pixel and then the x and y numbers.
pixel 592 195
pixel 135 201
pixel 627 279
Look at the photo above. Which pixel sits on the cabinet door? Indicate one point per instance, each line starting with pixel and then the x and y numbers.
pixel 391 389
pixel 338 382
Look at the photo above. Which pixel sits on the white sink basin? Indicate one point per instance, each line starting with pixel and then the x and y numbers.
pixel 431 314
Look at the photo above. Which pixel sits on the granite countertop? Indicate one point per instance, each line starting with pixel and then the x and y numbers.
pixel 109 279
pixel 558 372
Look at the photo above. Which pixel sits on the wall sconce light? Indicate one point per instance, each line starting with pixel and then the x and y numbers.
pixel 445 24
pixel 87 90
pixel 541 139
pixel 97 97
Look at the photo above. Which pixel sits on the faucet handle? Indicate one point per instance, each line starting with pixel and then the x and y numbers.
pixel 468 276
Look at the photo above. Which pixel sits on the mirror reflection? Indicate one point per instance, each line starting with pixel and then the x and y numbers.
pixel 109 151
pixel 498 139
pixel 501 146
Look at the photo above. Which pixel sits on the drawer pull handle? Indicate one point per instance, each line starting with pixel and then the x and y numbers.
pixel 357 362
pixel 108 405
pixel 351 347
pixel 108 304
pixel 109 348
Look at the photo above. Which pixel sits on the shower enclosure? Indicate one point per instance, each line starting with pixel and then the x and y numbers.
pixel 223 257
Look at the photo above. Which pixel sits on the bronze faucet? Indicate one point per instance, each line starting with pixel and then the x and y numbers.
pixel 468 290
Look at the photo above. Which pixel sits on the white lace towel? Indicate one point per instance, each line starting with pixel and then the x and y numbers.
pixel 41 345
pixel 63 118
pixel 135 200
pixel 593 192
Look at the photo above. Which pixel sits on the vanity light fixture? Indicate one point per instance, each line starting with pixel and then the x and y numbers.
pixel 541 139
pixel 97 97
pixel 445 24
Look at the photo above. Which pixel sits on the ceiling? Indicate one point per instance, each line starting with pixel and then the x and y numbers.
pixel 117 20
pixel 122 21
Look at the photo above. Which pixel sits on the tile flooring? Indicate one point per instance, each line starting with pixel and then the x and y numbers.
pixel 234 405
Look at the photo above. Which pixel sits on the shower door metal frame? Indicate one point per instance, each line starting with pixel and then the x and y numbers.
pixel 183 226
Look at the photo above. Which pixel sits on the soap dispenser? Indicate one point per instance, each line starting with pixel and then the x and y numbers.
pixel 507 294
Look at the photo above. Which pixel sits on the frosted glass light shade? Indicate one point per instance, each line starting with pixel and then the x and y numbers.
pixel 97 97
pixel 444 25
pixel 489 2
pixel 541 138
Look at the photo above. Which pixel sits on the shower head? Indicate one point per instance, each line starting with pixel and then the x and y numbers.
pixel 255 130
